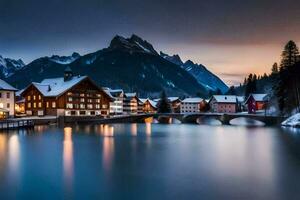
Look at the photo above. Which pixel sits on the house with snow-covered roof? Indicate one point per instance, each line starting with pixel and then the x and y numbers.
pixel 130 103
pixel 66 96
pixel 115 106
pixel 148 105
pixel 192 105
pixel 7 100
pixel 256 102
pixel 223 103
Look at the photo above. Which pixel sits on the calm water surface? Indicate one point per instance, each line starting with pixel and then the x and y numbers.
pixel 150 161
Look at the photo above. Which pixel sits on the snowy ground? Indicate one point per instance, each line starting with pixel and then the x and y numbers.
pixel 293 121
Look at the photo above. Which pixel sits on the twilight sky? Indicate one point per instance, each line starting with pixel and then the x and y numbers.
pixel 231 37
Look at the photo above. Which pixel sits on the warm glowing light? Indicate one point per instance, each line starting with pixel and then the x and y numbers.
pixel 68 155
pixel 3 146
pixel 107 130
pixel 148 129
pixel 108 150
pixel 14 153
pixel 134 129
pixel 149 120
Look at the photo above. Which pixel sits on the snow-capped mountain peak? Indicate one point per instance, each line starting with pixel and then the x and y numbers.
pixel 9 66
pixel 174 59
pixel 65 59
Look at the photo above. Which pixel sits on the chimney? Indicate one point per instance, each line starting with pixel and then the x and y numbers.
pixel 49 88
pixel 68 74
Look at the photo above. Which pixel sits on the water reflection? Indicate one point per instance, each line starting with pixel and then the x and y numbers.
pixel 14 153
pixel 133 129
pixel 68 156
pixel 148 129
pixel 108 151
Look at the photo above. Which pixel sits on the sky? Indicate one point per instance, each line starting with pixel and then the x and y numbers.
pixel 232 38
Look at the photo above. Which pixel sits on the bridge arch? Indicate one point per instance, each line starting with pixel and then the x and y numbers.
pixel 209 120
pixel 246 121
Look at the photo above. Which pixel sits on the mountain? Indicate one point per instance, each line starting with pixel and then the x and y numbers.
pixel 129 63
pixel 9 66
pixel 199 72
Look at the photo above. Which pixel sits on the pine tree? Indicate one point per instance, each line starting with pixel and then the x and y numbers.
pixel 287 87
pixel 231 91
pixel 275 69
pixel 290 55
pixel 163 105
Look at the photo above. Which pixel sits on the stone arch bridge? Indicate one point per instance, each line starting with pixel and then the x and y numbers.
pixel 193 118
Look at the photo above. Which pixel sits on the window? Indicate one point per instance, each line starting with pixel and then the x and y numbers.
pixel 70 99
pixel 40 97
pixel 90 106
pixel 53 104
pixel 69 105
pixel 82 94
pixel 81 99
pixel 34 105
pixel 28 105
pixel 40 104
pixel 97 100
pixel 97 106
pixel 34 97
pixel 89 100
pixel 47 104
pixel 98 95
pixel 104 106
pixel 82 106
pixel 28 98
pixel 8 95
pixel 8 105
pixel 0 95
pixel 82 112
pixel 1 105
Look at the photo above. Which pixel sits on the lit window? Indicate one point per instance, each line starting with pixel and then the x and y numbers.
pixel 82 94
pixel 1 105
pixel 97 106
pixel 40 104
pixel 81 99
pixel 47 104
pixel 90 106
pixel 53 104
pixel 34 105
pixel 69 105
pixel 28 105
pixel 70 99
pixel 82 106
pixel 28 98
pixel 40 97
pixel 34 97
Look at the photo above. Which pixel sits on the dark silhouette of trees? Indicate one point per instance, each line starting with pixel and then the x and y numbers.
pixel 251 84
pixel 231 91
pixel 287 88
pixel 163 105
pixel 275 69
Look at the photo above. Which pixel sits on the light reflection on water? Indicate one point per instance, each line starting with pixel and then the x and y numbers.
pixel 68 157
pixel 147 161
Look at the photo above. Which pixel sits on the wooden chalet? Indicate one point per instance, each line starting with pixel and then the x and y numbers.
pixel 66 96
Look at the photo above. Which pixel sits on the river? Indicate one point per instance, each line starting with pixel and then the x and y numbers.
pixel 150 161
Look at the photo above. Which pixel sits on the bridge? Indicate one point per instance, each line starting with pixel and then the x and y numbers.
pixel 224 118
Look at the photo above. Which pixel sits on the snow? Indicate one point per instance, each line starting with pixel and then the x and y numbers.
pixel 293 121
pixel 6 86
pixel 225 98
pixel 171 99
pixel 192 100
pixel 53 87
pixel 147 50
pixel 130 95
pixel 258 97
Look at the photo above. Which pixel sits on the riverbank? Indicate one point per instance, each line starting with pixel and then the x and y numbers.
pixel 293 121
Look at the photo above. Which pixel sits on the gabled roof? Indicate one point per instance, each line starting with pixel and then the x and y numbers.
pixel 6 86
pixel 258 97
pixel 224 98
pixel 151 102
pixel 114 92
pixel 192 100
pixel 130 94
pixel 240 98
pixel 54 87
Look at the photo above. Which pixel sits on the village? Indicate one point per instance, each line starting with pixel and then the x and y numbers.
pixel 75 95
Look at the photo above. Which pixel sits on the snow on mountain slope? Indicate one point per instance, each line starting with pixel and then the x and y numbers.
pixel 199 71
pixel 9 66
pixel 64 60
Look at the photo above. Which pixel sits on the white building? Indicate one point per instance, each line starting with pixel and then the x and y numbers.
pixel 116 106
pixel 191 105
pixel 7 100
pixel 130 103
